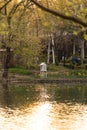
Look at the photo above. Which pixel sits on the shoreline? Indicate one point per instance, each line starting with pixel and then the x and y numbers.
pixel 42 81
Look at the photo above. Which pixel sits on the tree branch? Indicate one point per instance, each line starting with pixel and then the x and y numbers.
pixel 5 5
pixel 28 4
pixel 70 18
pixel 12 12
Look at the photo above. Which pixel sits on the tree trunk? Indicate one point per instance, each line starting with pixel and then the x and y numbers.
pixel 48 58
pixel 6 63
pixel 82 52
pixel 74 49
pixel 53 55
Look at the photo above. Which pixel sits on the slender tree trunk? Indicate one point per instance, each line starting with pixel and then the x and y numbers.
pixel 6 63
pixel 53 55
pixel 48 55
pixel 7 52
pixel 74 49
pixel 82 52
pixel 51 49
pixel 64 62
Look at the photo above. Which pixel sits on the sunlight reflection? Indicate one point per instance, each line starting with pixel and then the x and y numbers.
pixel 37 119
pixel 46 111
pixel 45 116
pixel 40 119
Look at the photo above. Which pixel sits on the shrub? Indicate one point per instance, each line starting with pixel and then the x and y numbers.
pixel 20 70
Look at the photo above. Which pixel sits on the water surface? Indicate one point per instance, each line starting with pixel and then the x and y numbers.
pixel 43 107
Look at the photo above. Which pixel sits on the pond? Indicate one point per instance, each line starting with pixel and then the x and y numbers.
pixel 43 107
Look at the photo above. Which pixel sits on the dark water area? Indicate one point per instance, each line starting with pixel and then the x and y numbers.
pixel 43 106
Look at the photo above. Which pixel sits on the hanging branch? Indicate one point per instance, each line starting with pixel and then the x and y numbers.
pixel 71 18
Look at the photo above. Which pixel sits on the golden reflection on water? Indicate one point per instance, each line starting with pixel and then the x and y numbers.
pixel 45 116
pixel 35 118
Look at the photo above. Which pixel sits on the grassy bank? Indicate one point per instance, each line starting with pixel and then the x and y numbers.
pixel 54 72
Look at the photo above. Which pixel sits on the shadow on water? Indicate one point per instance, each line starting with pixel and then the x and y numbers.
pixel 20 95
pixel 70 93
pixel 17 95
pixel 6 98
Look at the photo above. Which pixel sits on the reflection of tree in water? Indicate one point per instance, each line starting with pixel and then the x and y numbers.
pixel 17 96
pixel 21 95
pixel 6 95
pixel 71 93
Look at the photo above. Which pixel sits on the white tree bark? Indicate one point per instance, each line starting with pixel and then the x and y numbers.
pixel 48 55
pixel 51 49
pixel 53 54
pixel 74 49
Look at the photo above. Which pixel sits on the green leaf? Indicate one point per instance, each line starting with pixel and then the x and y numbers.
pixel 85 36
pixel 75 32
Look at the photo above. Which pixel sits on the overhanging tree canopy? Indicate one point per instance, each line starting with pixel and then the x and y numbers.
pixel 71 18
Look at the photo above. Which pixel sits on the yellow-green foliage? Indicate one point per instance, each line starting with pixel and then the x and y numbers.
pixel 31 51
